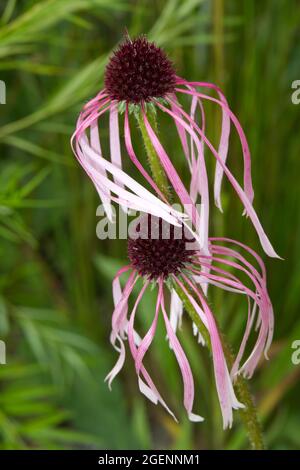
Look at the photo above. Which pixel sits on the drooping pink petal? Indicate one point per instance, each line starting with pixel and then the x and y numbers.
pixel 187 376
pixel 120 362
pixel 201 185
pixel 269 250
pixel 116 286
pixel 260 285
pixel 224 140
pixel 246 153
pixel 114 142
pixel 119 316
pixel 96 99
pixel 245 247
pixel 202 223
pixel 176 311
pixel 222 151
pixel 201 279
pixel 192 301
pixel 88 117
pixel 228 281
pixel 134 158
pixel 182 134
pixel 227 257
pixel 104 194
pixel 250 320
pixel 225 108
pixel 227 398
pixel 171 173
pixel 143 200
pixel 114 138
pixel 197 308
pixel 119 322
pixel 189 154
pixel 146 384
pixel 148 338
pixel 196 184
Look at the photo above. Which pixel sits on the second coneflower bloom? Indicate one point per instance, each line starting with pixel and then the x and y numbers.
pixel 166 257
pixel 140 78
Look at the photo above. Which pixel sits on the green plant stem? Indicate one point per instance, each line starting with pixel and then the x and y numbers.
pixel 157 171
pixel 249 414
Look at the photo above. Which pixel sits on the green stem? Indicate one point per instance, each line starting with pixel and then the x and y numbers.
pixel 157 171
pixel 249 414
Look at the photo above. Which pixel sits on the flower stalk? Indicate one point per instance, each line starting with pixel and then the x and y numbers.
pixel 248 414
pixel 157 170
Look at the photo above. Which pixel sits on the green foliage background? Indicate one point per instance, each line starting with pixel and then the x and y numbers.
pixel 55 285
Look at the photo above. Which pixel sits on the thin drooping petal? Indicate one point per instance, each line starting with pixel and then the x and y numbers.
pixel 201 182
pixel 96 99
pixel 114 142
pixel 250 320
pixel 193 302
pixel 223 145
pixel 227 398
pixel 182 134
pixel 120 361
pixel 224 283
pixel 196 184
pixel 187 376
pixel 116 286
pixel 104 194
pixel 119 316
pixel 200 279
pixel 142 200
pixel 172 173
pixel 245 247
pixel 224 279
pixel 261 299
pixel 224 105
pixel 114 138
pixel 222 151
pixel 176 311
pixel 146 385
pixel 201 224
pixel 89 117
pixel 119 323
pixel 134 158
pixel 148 338
pixel 269 250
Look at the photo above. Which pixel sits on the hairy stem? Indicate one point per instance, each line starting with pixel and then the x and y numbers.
pixel 249 414
pixel 157 170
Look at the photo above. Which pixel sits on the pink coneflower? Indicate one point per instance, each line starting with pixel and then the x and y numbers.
pixel 167 262
pixel 139 75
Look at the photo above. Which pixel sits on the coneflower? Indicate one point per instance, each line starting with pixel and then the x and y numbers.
pixel 140 77
pixel 171 263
